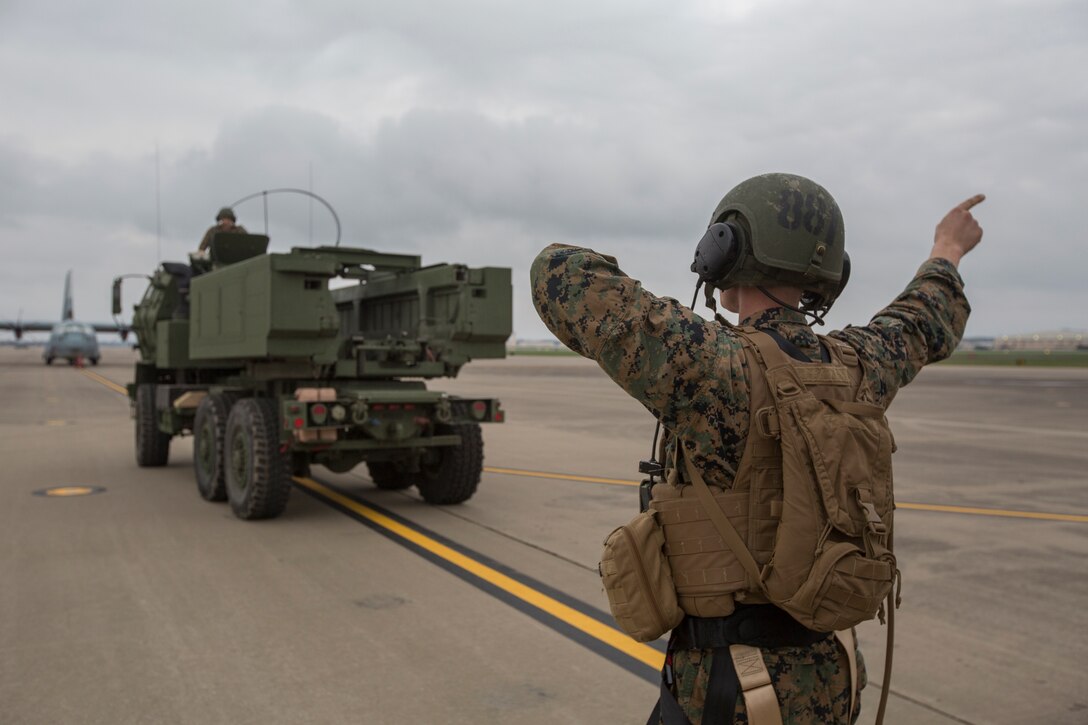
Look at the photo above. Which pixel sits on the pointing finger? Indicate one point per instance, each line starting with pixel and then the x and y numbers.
pixel 973 201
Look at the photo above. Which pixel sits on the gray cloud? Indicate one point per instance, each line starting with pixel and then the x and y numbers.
pixel 481 135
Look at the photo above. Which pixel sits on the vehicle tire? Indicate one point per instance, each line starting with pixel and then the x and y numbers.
pixel 152 445
pixel 209 430
pixel 94 361
pixel 388 475
pixel 49 360
pixel 453 474
pixel 258 475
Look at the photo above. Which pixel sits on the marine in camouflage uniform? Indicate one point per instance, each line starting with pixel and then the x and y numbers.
pixel 225 221
pixel 692 375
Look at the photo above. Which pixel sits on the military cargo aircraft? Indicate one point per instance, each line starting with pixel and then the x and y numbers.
pixel 68 339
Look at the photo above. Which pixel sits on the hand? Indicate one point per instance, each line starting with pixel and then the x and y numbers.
pixel 958 233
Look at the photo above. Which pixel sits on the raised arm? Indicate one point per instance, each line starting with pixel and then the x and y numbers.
pixel 680 367
pixel 925 323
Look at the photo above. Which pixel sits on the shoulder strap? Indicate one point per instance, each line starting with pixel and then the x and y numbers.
pixel 767 350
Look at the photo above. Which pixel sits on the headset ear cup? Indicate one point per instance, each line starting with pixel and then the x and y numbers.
pixel 717 252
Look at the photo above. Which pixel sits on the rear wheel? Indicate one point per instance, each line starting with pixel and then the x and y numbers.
pixel 152 445
pixel 258 475
pixel 209 461
pixel 94 361
pixel 49 360
pixel 388 475
pixel 451 474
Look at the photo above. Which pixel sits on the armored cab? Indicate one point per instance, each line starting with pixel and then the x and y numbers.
pixel 318 355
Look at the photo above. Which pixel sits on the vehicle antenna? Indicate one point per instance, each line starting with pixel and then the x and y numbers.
pixel 158 207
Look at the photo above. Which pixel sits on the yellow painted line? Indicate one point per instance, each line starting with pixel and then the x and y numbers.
pixel 612 637
pixel 560 476
pixel 1076 518
pixel 969 510
pixel 105 381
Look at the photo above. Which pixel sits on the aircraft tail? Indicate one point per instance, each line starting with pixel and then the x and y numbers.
pixel 66 312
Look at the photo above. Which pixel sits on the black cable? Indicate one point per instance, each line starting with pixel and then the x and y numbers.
pixel 815 317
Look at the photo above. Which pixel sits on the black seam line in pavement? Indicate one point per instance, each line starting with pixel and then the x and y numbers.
pixel 925 705
pixel 587 609
pixel 498 532
pixel 523 542
pixel 621 650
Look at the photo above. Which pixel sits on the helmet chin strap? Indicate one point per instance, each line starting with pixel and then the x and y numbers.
pixel 816 318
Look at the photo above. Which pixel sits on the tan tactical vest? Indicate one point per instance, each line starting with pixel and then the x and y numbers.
pixel 811 504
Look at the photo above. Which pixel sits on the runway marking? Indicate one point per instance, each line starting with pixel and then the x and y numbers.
pixel 105 381
pixel 974 511
pixel 968 510
pixel 460 562
pixel 559 476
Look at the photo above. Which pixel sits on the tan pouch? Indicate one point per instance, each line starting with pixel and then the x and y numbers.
pixel 638 581
pixel 844 588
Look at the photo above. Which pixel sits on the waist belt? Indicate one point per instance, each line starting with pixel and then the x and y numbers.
pixel 756 625
pixel 759 625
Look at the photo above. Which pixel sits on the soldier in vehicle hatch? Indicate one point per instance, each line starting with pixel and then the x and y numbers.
pixel 780 259
pixel 225 221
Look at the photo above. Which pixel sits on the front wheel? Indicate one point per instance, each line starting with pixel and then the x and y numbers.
pixel 258 474
pixel 152 445
pixel 209 461
pixel 450 475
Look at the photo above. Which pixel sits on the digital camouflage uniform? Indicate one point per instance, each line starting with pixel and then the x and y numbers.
pixel 692 376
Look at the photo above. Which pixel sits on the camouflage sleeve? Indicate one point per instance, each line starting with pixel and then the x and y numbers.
pixel 686 371
pixel 923 325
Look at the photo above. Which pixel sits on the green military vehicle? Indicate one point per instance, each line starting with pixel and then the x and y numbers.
pixel 270 370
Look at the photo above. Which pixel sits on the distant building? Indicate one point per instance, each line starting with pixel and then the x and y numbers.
pixel 1059 340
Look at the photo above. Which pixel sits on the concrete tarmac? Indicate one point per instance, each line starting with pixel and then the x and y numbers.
pixel 143 603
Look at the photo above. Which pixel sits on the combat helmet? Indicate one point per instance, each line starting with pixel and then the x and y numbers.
pixel 226 213
pixel 777 229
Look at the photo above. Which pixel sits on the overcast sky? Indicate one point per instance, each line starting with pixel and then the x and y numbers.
pixel 479 131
